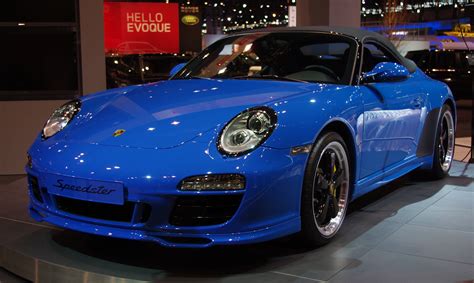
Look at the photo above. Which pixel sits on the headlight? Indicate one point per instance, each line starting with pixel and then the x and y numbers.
pixel 60 118
pixel 247 131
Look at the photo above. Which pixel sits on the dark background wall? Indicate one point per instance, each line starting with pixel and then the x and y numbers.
pixel 50 49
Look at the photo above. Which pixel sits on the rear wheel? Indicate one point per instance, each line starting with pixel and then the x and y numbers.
pixel 444 144
pixel 326 190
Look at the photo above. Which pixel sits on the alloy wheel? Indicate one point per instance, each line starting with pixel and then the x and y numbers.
pixel 331 189
pixel 446 141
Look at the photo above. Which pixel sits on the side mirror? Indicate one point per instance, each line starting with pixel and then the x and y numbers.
pixel 386 72
pixel 177 68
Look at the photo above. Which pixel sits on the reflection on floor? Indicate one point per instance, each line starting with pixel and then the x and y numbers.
pixel 408 231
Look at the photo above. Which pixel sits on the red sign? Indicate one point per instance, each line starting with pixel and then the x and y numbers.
pixel 137 28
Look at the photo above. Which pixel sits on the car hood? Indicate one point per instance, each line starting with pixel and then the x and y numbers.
pixel 170 113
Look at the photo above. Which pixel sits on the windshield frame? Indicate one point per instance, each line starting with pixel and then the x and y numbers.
pixel 353 54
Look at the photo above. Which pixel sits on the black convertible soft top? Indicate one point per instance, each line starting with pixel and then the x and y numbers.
pixel 358 34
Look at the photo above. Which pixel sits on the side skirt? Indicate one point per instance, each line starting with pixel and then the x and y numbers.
pixel 390 174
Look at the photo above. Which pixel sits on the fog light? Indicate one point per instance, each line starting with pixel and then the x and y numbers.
pixel 214 182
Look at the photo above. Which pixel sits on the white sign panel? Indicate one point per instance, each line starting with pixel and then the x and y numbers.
pixel 292 16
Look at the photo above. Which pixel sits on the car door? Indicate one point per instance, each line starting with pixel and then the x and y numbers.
pixel 391 118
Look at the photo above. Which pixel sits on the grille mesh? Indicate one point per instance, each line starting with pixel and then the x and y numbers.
pixel 104 211
pixel 204 210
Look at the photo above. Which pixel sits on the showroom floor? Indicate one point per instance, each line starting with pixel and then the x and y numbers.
pixel 408 231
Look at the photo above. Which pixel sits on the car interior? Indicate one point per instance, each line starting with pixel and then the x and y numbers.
pixel 373 55
pixel 320 58
pixel 314 61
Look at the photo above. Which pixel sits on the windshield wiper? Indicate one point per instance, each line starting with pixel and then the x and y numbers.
pixel 269 77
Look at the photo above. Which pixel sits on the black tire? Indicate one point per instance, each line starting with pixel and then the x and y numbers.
pixel 310 235
pixel 438 171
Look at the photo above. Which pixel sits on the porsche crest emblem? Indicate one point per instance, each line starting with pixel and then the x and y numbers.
pixel 118 132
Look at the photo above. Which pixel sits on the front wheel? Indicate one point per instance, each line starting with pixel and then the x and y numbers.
pixel 326 190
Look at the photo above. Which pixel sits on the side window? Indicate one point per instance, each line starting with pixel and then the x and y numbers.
pixel 374 54
pixel 445 60
pixel 332 57
pixel 470 59
pixel 461 61
pixel 419 57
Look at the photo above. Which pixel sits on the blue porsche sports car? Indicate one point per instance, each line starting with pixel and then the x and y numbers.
pixel 264 134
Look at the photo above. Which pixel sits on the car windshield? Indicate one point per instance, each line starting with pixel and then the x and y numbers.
pixel 290 56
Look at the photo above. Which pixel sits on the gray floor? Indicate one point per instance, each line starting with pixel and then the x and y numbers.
pixel 408 231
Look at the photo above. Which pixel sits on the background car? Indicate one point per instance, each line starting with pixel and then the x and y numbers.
pixel 454 67
pixel 125 70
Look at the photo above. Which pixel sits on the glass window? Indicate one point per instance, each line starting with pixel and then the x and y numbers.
pixel 451 59
pixel 38 11
pixel 37 60
pixel 158 67
pixel 309 57
pixel 374 54
pixel 470 59
pixel 140 68
pixel 419 57
pixel 445 60
pixel 39 50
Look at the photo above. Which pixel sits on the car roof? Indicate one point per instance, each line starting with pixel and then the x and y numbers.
pixel 358 34
pixel 353 32
pixel 439 51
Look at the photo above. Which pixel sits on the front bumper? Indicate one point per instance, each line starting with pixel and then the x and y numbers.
pixel 267 208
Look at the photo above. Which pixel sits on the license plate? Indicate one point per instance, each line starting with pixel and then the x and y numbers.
pixel 83 189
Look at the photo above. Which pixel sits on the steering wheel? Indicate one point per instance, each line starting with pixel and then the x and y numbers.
pixel 323 69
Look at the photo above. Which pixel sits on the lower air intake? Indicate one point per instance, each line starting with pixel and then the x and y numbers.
pixel 204 210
